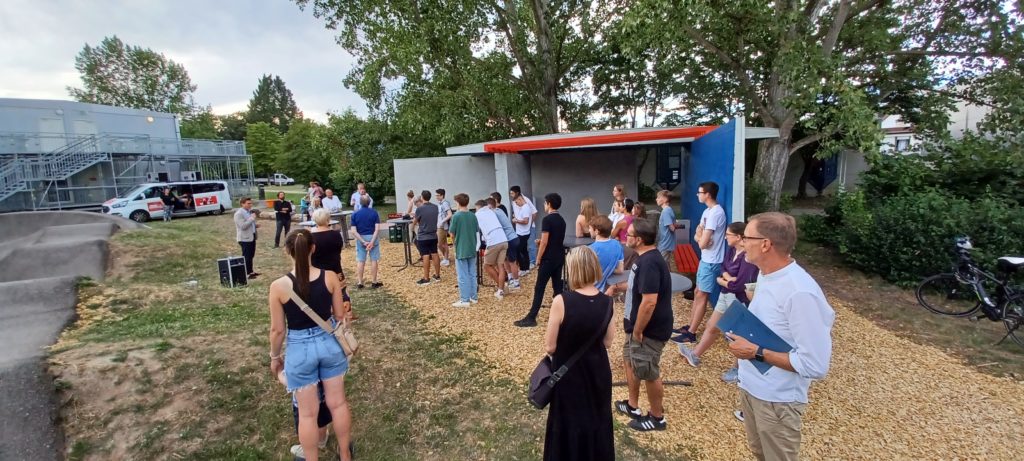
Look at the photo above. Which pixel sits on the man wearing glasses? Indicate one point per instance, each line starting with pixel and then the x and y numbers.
pixel 710 237
pixel 648 325
pixel 791 304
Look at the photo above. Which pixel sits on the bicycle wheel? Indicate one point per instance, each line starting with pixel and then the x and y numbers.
pixel 1014 322
pixel 945 294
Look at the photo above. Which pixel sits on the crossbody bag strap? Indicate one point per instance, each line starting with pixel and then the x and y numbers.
pixel 562 370
pixel 326 326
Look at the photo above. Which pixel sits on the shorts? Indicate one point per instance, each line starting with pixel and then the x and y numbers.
pixel 496 254
pixel 670 259
pixel 427 247
pixel 644 357
pixel 724 301
pixel 361 250
pixel 312 356
pixel 707 274
pixel 442 236
pixel 513 250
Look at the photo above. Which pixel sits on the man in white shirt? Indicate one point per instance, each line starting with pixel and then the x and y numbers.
pixel 331 202
pixel 355 201
pixel 497 246
pixel 523 215
pixel 710 237
pixel 790 303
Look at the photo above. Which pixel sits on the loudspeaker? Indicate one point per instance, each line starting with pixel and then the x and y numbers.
pixel 232 271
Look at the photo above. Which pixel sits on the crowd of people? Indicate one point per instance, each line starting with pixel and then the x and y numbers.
pixel 741 263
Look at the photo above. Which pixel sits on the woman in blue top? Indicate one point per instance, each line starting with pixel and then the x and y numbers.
pixel 314 355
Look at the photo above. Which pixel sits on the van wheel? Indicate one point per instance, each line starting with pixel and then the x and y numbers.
pixel 220 211
pixel 139 216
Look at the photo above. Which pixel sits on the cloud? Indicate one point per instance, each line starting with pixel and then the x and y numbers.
pixel 225 45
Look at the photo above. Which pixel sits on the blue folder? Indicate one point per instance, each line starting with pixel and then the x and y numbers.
pixel 741 322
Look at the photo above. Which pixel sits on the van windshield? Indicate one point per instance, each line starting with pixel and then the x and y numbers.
pixel 132 192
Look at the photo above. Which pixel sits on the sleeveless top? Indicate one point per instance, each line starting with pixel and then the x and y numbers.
pixel 327 254
pixel 319 300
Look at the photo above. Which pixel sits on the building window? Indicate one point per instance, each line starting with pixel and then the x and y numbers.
pixel 902 144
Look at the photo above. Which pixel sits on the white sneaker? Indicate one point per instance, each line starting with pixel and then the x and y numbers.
pixel 444 262
pixel 474 300
pixel 513 284
pixel 523 273
pixel 461 304
pixel 499 294
pixel 298 452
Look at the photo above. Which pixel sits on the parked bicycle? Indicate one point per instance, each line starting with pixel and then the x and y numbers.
pixel 970 291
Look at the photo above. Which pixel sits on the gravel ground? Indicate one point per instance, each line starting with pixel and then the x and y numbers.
pixel 884 398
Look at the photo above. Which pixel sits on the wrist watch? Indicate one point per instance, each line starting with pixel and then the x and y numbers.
pixel 759 355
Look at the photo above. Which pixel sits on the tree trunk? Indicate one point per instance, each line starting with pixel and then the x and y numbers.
pixel 805 176
pixel 771 165
pixel 548 67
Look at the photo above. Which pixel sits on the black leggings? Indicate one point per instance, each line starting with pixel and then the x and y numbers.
pixel 523 253
pixel 548 270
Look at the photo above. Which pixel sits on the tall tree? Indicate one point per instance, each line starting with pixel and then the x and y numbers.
pixel 517 61
pixel 304 155
pixel 201 124
pixel 272 102
pixel 232 126
pixel 263 143
pixel 829 67
pixel 118 74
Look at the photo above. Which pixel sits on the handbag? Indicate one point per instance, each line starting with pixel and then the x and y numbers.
pixel 343 332
pixel 543 379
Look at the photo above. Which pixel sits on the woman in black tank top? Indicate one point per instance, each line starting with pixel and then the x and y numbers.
pixel 313 355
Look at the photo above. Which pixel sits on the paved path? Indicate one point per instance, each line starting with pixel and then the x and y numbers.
pixel 41 257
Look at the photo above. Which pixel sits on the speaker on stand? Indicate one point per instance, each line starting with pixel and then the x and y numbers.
pixel 232 271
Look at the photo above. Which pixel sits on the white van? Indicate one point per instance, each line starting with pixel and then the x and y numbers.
pixel 143 202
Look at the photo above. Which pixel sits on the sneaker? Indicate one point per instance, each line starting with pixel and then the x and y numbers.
pixel 684 337
pixel 649 423
pixel 738 414
pixel 689 355
pixel 525 322
pixel 622 406
pixel 298 452
pixel 731 375
pixel 523 273
pixel 681 330
pixel 461 304
pixel 499 294
pixel 422 282
pixel 437 278
pixel 514 284
pixel 376 284
pixel 445 263
pixel 474 300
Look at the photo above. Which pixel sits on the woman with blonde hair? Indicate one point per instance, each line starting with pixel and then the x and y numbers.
pixel 579 423
pixel 587 211
pixel 313 355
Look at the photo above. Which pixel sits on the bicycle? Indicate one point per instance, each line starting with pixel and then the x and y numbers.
pixel 963 292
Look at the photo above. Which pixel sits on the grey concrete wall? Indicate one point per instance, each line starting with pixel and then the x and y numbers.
pixel 473 175
pixel 512 170
pixel 575 175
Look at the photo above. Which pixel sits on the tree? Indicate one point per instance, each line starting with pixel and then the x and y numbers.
pixel 518 63
pixel 231 126
pixel 263 143
pixel 830 68
pixel 272 103
pixel 201 124
pixel 304 155
pixel 118 74
pixel 363 153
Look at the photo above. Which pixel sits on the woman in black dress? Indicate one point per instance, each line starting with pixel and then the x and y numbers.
pixel 580 416
pixel 327 253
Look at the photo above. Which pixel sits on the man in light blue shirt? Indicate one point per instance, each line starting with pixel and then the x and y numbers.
pixel 667 229
pixel 710 237
pixel 791 304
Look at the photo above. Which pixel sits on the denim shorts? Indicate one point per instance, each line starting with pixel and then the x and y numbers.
pixel 724 302
pixel 312 355
pixel 706 275
pixel 361 250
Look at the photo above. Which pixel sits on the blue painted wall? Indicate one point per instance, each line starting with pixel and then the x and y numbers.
pixel 711 158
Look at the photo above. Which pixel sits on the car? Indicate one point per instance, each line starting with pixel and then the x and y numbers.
pixel 143 202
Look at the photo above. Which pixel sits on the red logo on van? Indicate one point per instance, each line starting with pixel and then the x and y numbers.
pixel 204 201
pixel 155 206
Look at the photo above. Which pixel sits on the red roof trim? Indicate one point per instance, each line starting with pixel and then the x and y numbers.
pixel 514 147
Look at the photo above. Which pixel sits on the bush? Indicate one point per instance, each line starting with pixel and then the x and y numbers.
pixel 756 199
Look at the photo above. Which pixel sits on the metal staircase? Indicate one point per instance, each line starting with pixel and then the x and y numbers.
pixel 80 153
pixel 12 180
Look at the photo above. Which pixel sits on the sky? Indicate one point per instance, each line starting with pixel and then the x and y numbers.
pixel 226 45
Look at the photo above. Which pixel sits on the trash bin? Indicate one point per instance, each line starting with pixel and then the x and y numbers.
pixel 262 193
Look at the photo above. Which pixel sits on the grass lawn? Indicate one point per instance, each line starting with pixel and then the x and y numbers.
pixel 156 369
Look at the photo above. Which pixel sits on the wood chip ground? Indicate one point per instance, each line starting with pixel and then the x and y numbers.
pixel 884 398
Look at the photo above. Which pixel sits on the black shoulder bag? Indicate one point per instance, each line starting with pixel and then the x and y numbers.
pixel 543 379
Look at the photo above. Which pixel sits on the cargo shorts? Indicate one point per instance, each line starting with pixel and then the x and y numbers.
pixel 644 357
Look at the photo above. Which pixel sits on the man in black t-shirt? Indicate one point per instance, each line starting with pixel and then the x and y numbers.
pixel 550 257
pixel 283 216
pixel 648 325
